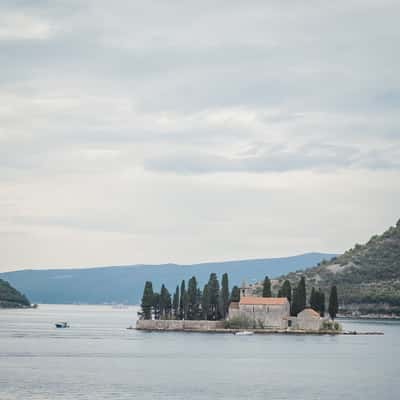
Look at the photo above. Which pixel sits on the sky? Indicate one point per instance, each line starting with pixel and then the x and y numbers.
pixel 154 132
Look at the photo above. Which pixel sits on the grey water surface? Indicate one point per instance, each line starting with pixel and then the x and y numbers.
pixel 98 358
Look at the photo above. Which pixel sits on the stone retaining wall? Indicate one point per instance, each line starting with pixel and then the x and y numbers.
pixel 178 325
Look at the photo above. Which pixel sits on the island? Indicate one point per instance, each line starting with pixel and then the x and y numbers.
pixel 216 309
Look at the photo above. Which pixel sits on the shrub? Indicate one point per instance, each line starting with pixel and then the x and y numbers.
pixel 331 326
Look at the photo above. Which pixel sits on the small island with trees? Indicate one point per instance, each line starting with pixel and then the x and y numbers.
pixel 216 308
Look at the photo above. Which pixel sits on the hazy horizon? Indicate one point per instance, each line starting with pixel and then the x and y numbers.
pixel 39 268
pixel 181 132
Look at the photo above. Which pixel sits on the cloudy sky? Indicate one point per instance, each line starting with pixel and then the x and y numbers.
pixel 148 132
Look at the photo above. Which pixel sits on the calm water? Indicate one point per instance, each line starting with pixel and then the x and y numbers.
pixel 97 358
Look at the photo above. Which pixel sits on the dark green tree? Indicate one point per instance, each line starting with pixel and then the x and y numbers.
pixel 267 288
pixel 192 298
pixel 185 304
pixel 293 305
pixel 317 301
pixel 213 289
pixel 224 295
pixel 299 297
pixel 286 290
pixel 175 303
pixel 321 302
pixel 314 300
pixel 147 300
pixel 165 303
pixel 199 314
pixel 333 307
pixel 162 303
pixel 205 302
pixel 235 294
pixel 156 305
pixel 301 290
pixel 182 299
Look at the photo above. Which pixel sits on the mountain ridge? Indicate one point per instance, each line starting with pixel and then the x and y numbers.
pixel 124 284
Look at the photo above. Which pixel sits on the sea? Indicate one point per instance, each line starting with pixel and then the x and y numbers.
pixel 97 358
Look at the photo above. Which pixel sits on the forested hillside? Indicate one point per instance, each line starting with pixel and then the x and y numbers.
pixel 367 276
pixel 10 297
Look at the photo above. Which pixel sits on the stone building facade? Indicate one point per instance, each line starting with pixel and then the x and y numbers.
pixel 262 312
pixel 274 313
pixel 307 320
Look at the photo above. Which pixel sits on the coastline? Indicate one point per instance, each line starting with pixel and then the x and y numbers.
pixel 260 331
pixel 200 326
pixel 380 317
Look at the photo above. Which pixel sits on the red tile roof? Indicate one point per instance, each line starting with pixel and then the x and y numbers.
pixel 268 301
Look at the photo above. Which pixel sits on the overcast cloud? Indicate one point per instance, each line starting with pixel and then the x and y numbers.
pixel 147 132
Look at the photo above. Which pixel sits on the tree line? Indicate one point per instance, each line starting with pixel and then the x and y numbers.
pixel 189 301
pixel 212 302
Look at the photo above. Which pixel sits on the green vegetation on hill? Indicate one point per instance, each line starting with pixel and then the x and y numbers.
pixel 10 297
pixel 367 276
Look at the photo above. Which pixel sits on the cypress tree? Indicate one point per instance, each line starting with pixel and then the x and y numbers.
pixel 299 297
pixel 185 304
pixel 205 302
pixel 267 288
pixel 182 300
pixel 162 301
pixel 175 303
pixel 168 304
pixel 321 302
pixel 294 307
pixel 199 302
pixel 192 298
pixel 156 305
pixel 314 300
pixel 235 294
pixel 147 300
pixel 224 295
pixel 302 294
pixel 286 290
pixel 165 303
pixel 333 307
pixel 213 288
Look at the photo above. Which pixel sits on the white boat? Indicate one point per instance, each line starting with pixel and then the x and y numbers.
pixel 62 325
pixel 244 333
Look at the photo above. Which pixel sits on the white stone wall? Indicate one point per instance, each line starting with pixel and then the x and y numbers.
pixel 272 316
pixel 307 322
pixel 178 324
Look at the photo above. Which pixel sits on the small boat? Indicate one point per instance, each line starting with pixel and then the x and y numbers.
pixel 130 327
pixel 244 333
pixel 62 325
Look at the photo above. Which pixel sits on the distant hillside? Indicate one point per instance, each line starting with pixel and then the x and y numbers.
pixel 367 276
pixel 10 297
pixel 125 284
